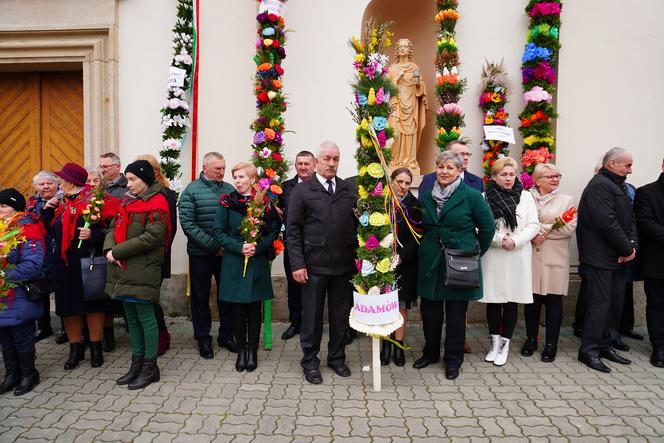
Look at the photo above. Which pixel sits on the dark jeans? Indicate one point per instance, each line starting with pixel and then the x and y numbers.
pixel 20 337
pixel 201 271
pixel 247 324
pixel 340 295
pixel 433 313
pixel 501 318
pixel 606 291
pixel 554 316
pixel 294 294
pixel 654 288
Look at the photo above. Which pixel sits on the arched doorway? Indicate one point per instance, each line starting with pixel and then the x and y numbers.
pixel 414 20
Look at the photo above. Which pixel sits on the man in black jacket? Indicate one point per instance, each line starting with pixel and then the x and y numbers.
pixel 606 234
pixel 305 164
pixel 649 209
pixel 322 238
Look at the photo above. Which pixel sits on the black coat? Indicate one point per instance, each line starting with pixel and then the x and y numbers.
pixel 287 189
pixel 321 229
pixel 649 209
pixel 606 229
pixel 172 199
pixel 407 248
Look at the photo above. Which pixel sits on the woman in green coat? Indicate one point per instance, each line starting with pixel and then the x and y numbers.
pixel 457 216
pixel 245 290
pixel 135 247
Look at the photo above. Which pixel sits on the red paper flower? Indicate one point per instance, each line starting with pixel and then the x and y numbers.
pixel 568 215
pixel 277 157
pixel 263 97
pixel 279 69
pixel 273 17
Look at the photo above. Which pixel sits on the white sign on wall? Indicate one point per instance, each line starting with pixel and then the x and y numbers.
pixel 272 7
pixel 502 133
pixel 376 309
pixel 176 77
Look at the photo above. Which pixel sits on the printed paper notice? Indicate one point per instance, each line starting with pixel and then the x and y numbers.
pixel 176 77
pixel 502 133
pixel 272 7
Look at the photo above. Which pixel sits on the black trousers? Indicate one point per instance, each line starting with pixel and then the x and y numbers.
pixel 247 318
pixel 339 291
pixel 501 318
pixel 201 271
pixel 627 317
pixel 44 322
pixel 581 305
pixel 554 316
pixel 654 288
pixel 433 313
pixel 606 291
pixel 294 294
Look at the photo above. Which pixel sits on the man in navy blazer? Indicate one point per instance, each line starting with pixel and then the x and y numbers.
pixel 458 147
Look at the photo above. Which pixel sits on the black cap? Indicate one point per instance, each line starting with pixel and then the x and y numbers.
pixel 11 197
pixel 143 170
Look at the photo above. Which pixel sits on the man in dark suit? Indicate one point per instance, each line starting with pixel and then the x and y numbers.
pixel 322 238
pixel 606 234
pixel 472 180
pixel 305 164
pixel 649 209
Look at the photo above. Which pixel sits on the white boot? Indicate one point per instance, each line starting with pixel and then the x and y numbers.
pixel 503 350
pixel 494 348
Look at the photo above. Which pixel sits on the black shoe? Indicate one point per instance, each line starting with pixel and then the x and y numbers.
pixel 549 353
pixel 291 332
pixel 633 335
pixel 594 363
pixel 342 370
pixel 61 338
pixel 76 354
pixel 241 361
pixel 43 333
pixel 399 356
pixel 657 358
pixel 12 372
pixel 108 339
pixel 134 370
pixel 205 350
pixel 423 362
pixel 149 374
pixel 29 375
pixel 228 344
pixel 313 376
pixel 529 347
pixel 351 334
pixel 96 354
pixel 385 352
pixel 613 356
pixel 252 360
pixel 451 373
pixel 619 345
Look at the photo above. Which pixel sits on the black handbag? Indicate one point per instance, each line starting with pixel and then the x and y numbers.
pixel 93 275
pixel 462 268
pixel 38 288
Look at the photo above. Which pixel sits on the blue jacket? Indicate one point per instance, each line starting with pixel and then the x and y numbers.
pixel 469 178
pixel 27 261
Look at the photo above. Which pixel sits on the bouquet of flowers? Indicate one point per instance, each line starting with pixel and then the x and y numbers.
pixel 561 221
pixel 10 238
pixel 253 222
pixel 92 212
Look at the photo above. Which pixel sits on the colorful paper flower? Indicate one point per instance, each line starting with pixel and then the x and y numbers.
pixel 383 266
pixel 371 243
pixel 377 219
pixel 379 123
pixel 375 170
pixel 364 219
pixel 367 268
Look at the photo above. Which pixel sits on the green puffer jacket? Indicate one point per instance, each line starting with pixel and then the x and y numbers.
pixel 198 208
pixel 142 254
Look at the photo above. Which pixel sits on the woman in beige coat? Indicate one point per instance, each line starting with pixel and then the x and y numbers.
pixel 550 261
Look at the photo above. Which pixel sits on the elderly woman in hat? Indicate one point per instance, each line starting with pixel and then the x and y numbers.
pixel 135 249
pixel 70 229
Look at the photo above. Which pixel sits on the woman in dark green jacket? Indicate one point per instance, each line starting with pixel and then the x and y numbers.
pixel 245 290
pixel 457 216
pixel 135 247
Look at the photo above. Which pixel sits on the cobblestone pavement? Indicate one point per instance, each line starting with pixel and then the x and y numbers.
pixel 206 400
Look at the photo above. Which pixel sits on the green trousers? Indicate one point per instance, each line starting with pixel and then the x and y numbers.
pixel 142 328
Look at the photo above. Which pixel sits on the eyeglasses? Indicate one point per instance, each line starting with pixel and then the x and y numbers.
pixel 551 177
pixel 466 154
pixel 108 166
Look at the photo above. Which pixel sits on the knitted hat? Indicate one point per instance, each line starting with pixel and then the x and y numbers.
pixel 143 170
pixel 73 173
pixel 11 197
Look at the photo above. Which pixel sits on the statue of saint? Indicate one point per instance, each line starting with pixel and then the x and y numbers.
pixel 408 116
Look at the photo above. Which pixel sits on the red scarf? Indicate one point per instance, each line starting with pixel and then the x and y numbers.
pixel 146 208
pixel 71 209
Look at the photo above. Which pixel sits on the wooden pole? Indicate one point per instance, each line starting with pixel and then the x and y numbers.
pixel 375 365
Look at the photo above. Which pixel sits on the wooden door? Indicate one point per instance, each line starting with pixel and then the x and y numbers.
pixel 41 125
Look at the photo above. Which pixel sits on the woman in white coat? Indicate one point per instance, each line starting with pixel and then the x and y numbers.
pixel 507 265
pixel 550 261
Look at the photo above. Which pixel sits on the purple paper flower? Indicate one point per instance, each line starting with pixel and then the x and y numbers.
pixel 259 137
pixel 278 139
pixel 264 183
pixel 382 138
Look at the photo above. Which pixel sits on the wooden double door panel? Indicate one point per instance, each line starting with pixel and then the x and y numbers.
pixel 41 125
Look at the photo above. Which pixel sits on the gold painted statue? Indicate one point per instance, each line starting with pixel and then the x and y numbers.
pixel 408 116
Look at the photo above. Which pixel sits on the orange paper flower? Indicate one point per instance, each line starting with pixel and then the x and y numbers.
pixel 278 246
pixel 269 133
pixel 264 67
pixel 270 173
pixel 276 189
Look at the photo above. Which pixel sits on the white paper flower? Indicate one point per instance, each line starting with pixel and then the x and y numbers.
pixel 375 290
pixel 176 184
pixel 367 268
pixel 172 143
pixel 266 153
pixel 387 241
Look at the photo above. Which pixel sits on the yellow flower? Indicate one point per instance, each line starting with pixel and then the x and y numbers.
pixel 383 265
pixel 371 98
pixel 359 58
pixel 375 170
pixel 366 141
pixel 362 170
pixel 377 219
pixel 364 124
pixel 533 139
pixel 387 219
pixel 357 45
pixel 362 192
pixel 360 241
pixel 274 123
pixel 360 290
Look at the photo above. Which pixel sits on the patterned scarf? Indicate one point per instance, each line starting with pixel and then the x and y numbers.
pixel 542 200
pixel 503 202
pixel 442 194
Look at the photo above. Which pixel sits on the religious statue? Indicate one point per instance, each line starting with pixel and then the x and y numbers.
pixel 408 116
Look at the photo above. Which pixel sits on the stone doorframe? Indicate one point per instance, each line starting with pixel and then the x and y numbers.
pixel 95 50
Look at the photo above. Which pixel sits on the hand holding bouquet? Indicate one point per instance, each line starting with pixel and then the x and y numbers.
pixel 561 221
pixel 92 213
pixel 10 238
pixel 253 222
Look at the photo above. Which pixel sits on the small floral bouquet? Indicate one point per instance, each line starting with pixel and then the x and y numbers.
pixel 253 222
pixel 92 212
pixel 561 221
pixel 10 238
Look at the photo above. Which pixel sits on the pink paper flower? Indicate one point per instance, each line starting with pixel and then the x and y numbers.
pixel 358 265
pixel 537 94
pixel 550 8
pixel 526 180
pixel 264 183
pixel 450 108
pixel 380 96
pixel 378 190
pixel 372 243
pixel 382 138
